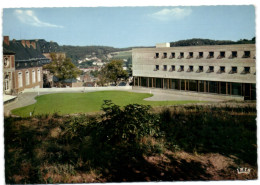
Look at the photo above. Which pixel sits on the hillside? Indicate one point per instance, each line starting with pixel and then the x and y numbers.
pixel 80 52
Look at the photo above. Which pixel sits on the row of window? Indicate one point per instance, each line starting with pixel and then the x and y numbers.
pixel 25 64
pixel 222 54
pixel 210 69
pixel 27 77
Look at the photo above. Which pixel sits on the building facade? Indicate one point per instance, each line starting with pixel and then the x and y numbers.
pixel 22 66
pixel 8 71
pixel 218 69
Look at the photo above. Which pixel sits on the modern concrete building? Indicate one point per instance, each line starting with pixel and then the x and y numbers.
pixel 217 69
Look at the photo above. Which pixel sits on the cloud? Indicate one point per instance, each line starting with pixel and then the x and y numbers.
pixel 171 14
pixel 29 17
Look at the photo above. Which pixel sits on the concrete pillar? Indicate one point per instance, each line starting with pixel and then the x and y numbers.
pixel 162 83
pixel 250 94
pixel 226 87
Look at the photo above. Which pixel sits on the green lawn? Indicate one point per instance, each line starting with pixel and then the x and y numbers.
pixel 69 103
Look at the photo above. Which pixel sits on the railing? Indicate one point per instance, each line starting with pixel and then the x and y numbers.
pixel 199 70
pixel 245 72
pixel 220 57
pixel 220 71
pixel 232 71
pixel 246 56
pixel 210 70
pixel 180 70
pixel 189 70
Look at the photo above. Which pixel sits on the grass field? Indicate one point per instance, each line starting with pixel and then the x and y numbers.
pixel 70 103
pixel 123 55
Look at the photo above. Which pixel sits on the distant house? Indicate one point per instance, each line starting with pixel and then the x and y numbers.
pixel 72 82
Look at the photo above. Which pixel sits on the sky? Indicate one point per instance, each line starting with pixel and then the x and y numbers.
pixel 129 26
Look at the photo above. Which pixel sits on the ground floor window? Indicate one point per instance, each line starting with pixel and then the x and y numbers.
pixel 20 79
pixel 33 76
pixel 6 83
pixel 38 75
pixel 247 90
pixel 27 77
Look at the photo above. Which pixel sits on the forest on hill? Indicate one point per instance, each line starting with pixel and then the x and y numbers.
pixel 79 52
pixel 201 42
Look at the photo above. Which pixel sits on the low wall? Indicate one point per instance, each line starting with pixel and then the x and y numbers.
pixel 79 89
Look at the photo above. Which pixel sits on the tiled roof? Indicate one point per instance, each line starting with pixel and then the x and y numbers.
pixel 21 52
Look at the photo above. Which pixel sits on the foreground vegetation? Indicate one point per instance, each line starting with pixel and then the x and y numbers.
pixel 133 143
pixel 72 103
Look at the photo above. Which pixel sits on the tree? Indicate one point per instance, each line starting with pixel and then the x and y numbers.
pixel 62 68
pixel 113 71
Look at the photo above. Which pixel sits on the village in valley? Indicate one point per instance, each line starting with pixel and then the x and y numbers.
pixel 180 110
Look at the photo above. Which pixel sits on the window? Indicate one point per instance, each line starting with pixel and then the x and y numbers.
pixel 172 68
pixel 233 70
pixel 200 69
pixel 181 55
pixel 221 55
pixel 246 54
pixel 211 54
pixel 27 77
pixel 20 79
pixel 234 54
pixel 156 55
pixel 164 55
pixel 6 62
pixel 156 68
pixel 6 83
pixel 210 69
pixel 190 69
pixel 33 76
pixel 200 54
pixel 172 55
pixel 165 67
pixel 38 75
pixel 190 55
pixel 181 69
pixel 221 69
pixel 246 70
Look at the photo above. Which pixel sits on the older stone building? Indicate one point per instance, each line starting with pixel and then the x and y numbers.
pixel 22 65
pixel 218 69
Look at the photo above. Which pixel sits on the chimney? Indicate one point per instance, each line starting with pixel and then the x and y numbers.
pixel 23 43
pixel 27 43
pixel 6 40
pixel 33 44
